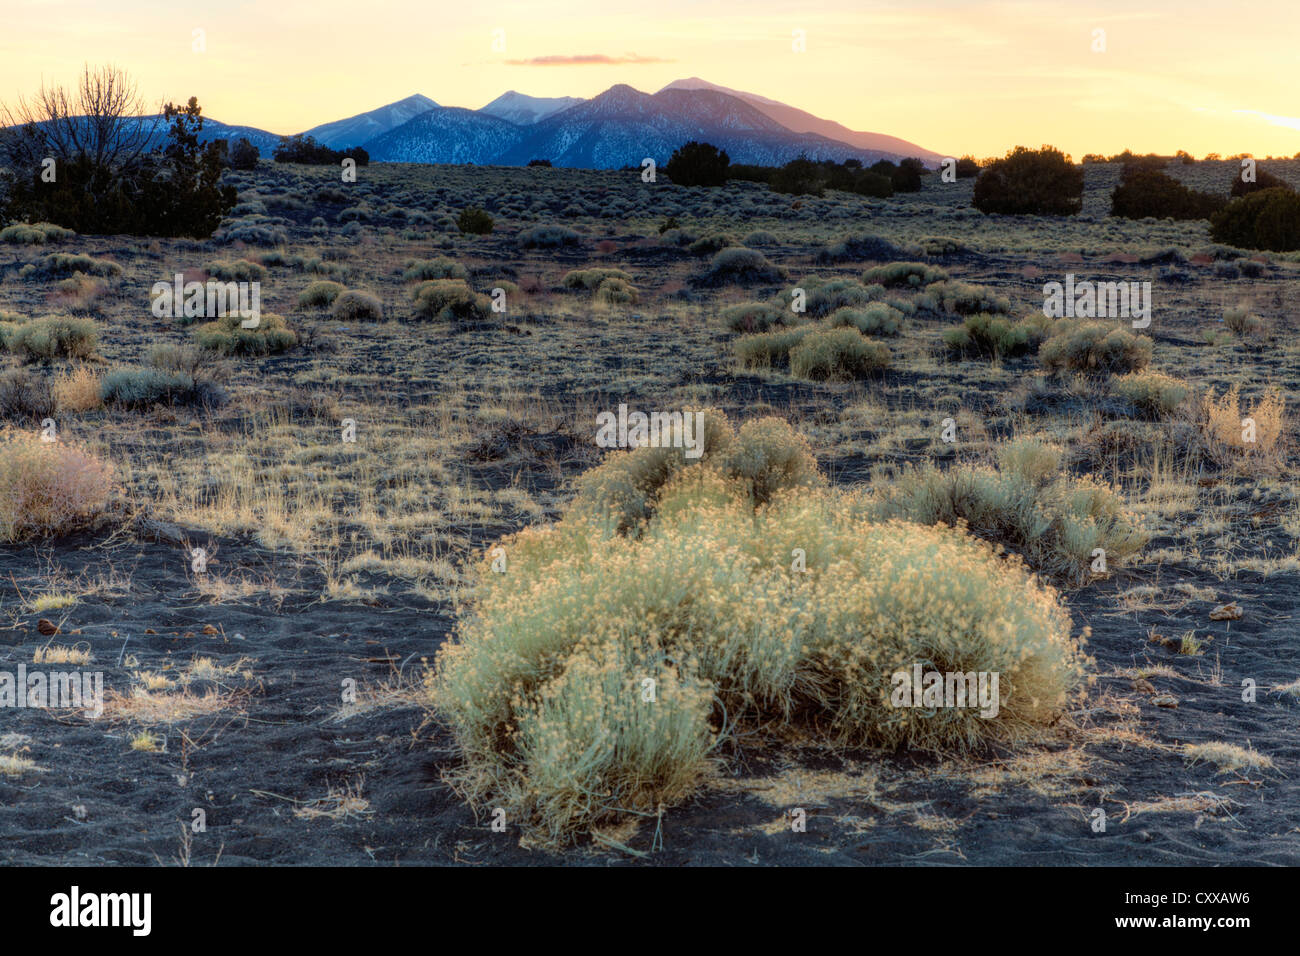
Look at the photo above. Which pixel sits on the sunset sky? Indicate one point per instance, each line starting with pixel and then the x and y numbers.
pixel 949 75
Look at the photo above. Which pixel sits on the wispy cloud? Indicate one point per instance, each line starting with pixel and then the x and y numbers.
pixel 589 59
pixel 1290 122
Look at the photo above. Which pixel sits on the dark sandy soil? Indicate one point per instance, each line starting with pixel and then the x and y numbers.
pixel 278 746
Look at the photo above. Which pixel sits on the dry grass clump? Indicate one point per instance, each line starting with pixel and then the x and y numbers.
pixel 78 389
pixel 78 292
pixel 58 654
pixel 1242 321
pixel 1227 757
pixel 1152 393
pixel 841 354
pixel 1027 503
pixel 596 676
pixel 1094 348
pixel 48 488
pixel 1236 436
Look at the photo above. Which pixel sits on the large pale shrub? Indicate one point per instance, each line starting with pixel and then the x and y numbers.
pixel 596 676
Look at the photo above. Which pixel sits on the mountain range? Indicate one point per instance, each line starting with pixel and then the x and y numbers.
pixel 620 127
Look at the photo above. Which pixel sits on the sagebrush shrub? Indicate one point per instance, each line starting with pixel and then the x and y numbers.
pixel 592 278
pixel 876 318
pixel 1026 503
pixel 320 293
pixel 65 264
pixel 227 336
pixel 418 270
pixel 741 265
pixel 752 316
pixel 615 291
pixel 1151 393
pixel 962 298
pixel 1240 320
pixel 769 349
pixel 52 337
pixel 355 305
pixel 997 336
pixel 35 234
pixel 450 299
pixel 252 234
pixel 826 297
pixel 1094 348
pixel 236 270
pixel 857 248
pixel 913 274
pixel 25 396
pixel 709 245
pixel 145 387
pixel 48 488
pixel 837 355
pixel 548 237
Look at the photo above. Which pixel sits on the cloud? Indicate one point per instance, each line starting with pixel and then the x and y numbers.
pixel 588 59
pixel 1290 122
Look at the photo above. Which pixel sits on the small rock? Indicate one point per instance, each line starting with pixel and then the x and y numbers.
pixel 47 627
pixel 1165 700
pixel 1144 685
pixel 1227 612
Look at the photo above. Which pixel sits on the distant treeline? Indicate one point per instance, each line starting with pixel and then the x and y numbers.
pixel 305 150
pixel 702 164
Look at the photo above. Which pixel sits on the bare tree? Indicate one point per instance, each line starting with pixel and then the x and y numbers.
pixel 102 123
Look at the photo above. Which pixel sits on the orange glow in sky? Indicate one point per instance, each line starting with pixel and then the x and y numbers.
pixel 952 76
